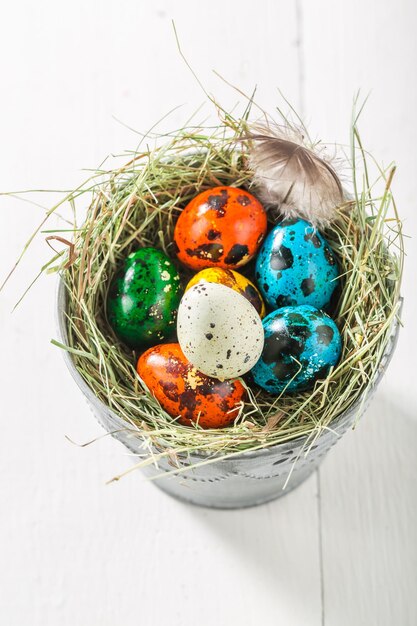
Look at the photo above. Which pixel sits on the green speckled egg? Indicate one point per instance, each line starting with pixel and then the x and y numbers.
pixel 143 299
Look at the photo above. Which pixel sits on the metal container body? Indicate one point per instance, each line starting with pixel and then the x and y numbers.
pixel 244 480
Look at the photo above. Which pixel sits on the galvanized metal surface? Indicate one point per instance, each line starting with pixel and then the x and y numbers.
pixel 245 480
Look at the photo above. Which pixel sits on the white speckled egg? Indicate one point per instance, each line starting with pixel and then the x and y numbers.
pixel 219 330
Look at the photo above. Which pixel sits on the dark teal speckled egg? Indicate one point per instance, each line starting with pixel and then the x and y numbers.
pixel 301 344
pixel 143 299
pixel 296 266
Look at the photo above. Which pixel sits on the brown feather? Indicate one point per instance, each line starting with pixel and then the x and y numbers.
pixel 293 177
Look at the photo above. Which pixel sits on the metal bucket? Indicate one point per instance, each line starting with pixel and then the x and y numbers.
pixel 244 480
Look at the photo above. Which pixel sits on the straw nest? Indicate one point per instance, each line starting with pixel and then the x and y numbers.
pixel 138 204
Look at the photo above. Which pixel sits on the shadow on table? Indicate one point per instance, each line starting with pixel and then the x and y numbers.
pixel 274 545
pixel 368 502
pixel 369 519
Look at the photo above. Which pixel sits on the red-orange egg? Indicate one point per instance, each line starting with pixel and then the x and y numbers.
pixel 221 227
pixel 186 393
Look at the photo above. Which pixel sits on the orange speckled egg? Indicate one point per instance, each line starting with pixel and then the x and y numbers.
pixel 221 227
pixel 184 391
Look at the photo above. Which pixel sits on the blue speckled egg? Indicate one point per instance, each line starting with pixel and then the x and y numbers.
pixel 301 344
pixel 296 266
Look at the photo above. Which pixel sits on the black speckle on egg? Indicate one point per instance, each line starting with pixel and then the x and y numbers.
pixel 325 334
pixel 322 373
pixel 284 301
pixel 286 368
pixel 170 390
pixel 236 254
pixel 209 336
pixel 218 202
pixel 243 200
pixel 308 285
pixel 213 234
pixel 280 343
pixel 281 259
pixel 252 295
pixel 313 238
pixel 296 318
pixel 224 405
pixel 329 256
pixel 187 400
pixel 211 251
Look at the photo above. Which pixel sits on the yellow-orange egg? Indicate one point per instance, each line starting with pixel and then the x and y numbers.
pixel 234 280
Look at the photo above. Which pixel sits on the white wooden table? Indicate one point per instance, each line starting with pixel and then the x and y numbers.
pixel 339 551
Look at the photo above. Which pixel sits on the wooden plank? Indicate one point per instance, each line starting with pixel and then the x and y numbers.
pixel 368 497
